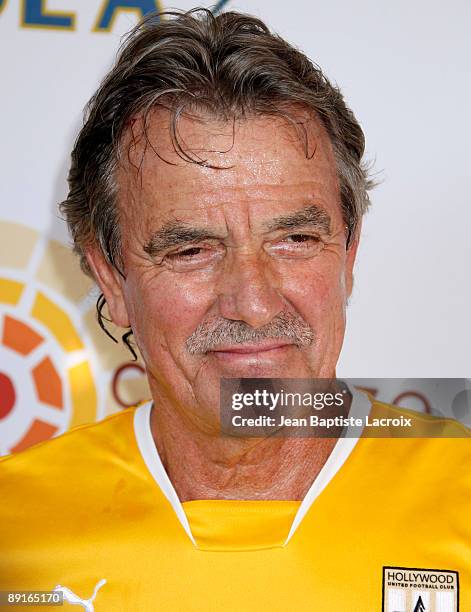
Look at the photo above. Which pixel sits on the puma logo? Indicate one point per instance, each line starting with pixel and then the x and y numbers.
pixel 72 598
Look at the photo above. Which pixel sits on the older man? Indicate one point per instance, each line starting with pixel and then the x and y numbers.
pixel 216 196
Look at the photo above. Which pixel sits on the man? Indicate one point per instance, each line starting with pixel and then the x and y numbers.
pixel 216 196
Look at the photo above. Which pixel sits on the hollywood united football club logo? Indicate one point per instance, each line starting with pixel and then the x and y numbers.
pixel 408 589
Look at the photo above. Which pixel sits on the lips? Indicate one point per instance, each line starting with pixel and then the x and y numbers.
pixel 252 349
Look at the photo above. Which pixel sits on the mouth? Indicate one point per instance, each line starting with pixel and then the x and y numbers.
pixel 266 348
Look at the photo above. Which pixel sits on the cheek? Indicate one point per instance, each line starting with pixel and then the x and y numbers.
pixel 316 291
pixel 166 310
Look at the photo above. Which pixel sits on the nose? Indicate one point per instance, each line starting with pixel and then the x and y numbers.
pixel 248 290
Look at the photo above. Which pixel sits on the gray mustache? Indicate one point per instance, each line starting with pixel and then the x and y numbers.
pixel 218 331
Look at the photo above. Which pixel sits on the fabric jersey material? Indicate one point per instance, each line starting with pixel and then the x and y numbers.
pixel 94 505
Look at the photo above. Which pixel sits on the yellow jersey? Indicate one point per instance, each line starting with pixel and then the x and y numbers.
pixel 385 526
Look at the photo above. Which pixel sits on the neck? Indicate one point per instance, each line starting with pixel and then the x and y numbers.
pixel 204 465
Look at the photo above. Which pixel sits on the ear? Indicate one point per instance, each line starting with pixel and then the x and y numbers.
pixel 350 259
pixel 110 283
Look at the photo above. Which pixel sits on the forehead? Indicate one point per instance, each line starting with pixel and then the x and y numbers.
pixel 256 160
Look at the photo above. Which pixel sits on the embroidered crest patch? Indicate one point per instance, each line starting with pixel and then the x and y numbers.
pixel 411 589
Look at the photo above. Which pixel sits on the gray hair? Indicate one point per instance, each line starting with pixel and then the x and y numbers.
pixel 229 64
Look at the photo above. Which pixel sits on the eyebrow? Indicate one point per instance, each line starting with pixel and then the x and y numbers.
pixel 312 216
pixel 173 234
pixel 176 233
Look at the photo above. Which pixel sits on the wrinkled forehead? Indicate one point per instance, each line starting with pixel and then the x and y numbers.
pixel 200 149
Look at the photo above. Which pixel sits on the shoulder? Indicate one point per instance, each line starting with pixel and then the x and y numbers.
pixel 63 494
pixel 76 449
pixel 417 424
pixel 75 476
pixel 434 452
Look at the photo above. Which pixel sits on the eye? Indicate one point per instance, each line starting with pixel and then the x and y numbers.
pixel 299 245
pixel 187 253
pixel 194 257
pixel 302 238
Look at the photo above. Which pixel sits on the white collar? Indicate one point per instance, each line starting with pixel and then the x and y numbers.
pixel 360 407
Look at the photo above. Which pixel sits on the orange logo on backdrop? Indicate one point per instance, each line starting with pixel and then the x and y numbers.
pixel 57 368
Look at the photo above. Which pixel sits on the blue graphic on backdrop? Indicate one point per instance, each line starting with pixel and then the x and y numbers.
pixel 112 7
pixel 36 14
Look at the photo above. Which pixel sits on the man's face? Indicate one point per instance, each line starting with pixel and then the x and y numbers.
pixel 240 271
